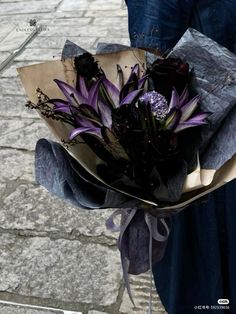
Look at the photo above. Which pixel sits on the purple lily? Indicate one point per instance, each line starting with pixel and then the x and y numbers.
pixel 92 107
pixel 182 112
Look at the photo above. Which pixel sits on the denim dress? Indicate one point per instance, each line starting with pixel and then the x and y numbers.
pixel 199 266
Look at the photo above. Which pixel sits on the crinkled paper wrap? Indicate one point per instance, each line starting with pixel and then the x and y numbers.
pixel 215 69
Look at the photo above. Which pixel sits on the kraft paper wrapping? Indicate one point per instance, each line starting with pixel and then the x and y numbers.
pixel 198 183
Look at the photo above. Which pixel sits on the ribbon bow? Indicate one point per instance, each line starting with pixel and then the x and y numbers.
pixel 154 226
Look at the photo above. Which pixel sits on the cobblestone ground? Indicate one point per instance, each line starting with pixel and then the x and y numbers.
pixel 53 257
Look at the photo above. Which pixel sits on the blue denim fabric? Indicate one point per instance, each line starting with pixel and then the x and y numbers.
pixel 199 264
pixel 161 23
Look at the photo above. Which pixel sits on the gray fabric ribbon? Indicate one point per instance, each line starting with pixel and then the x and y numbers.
pixel 158 229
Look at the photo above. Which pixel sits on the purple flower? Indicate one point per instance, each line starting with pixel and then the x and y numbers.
pixel 94 104
pixel 184 113
pixel 158 103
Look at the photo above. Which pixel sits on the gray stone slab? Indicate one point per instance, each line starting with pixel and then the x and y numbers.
pixel 4 56
pixel 28 6
pixel 89 31
pixel 5 29
pixel 71 5
pixel 58 42
pixel 14 106
pixel 11 86
pixel 38 55
pixel 16 309
pixel 16 165
pixel 22 134
pixel 62 270
pixel 96 312
pixel 9 1
pixel 31 208
pixel 73 21
pixel 111 20
pixel 19 19
pixel 84 31
pixel 16 37
pixel 70 14
pixel 2 188
pixel 105 13
pixel 140 288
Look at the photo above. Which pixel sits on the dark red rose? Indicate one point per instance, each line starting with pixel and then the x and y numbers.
pixel 169 73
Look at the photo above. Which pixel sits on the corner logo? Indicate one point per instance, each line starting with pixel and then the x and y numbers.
pixel 223 301
pixel 32 22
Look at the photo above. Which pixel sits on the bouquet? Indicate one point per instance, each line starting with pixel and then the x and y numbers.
pixel 143 134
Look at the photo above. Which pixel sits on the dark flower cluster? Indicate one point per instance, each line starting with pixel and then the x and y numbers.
pixel 86 66
pixel 144 136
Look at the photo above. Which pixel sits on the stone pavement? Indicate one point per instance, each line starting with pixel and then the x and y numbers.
pixel 52 255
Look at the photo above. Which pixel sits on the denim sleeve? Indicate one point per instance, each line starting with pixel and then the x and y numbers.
pixel 161 23
pixel 158 23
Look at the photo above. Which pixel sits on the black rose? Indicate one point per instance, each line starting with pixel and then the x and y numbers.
pixel 169 73
pixel 86 66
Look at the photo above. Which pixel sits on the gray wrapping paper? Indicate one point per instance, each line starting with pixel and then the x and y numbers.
pixel 215 80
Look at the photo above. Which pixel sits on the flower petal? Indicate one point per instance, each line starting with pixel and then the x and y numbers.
pixel 87 113
pixel 59 102
pixel 120 77
pixel 112 91
pixel 71 93
pixel 88 130
pixel 188 124
pixel 135 70
pixel 131 97
pixel 142 81
pixel 82 122
pixel 184 97
pixel 93 94
pixel 60 105
pixel 199 117
pixel 188 109
pixel 128 88
pixel 172 120
pixel 174 102
pixel 82 87
pixel 64 109
pixel 105 114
